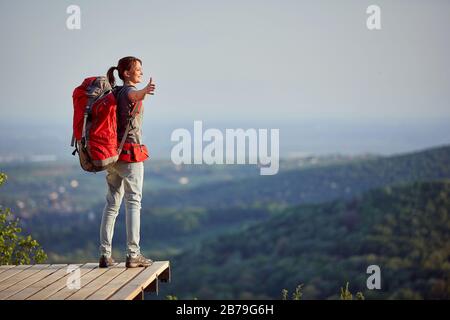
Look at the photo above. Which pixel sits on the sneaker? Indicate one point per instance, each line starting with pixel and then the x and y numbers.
pixel 138 261
pixel 106 262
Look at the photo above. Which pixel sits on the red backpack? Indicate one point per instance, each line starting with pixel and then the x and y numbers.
pixel 95 124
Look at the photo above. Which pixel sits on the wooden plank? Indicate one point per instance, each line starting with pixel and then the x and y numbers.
pixel 9 273
pixel 20 273
pixel 6 267
pixel 98 283
pixel 141 282
pixel 115 284
pixel 43 283
pixel 53 288
pixel 65 292
pixel 26 282
pixel 165 276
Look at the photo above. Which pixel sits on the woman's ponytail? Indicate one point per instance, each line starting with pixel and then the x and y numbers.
pixel 110 75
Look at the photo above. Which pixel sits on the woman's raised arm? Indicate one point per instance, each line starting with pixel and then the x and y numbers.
pixel 138 95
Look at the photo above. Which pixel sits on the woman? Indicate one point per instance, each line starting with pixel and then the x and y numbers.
pixel 125 177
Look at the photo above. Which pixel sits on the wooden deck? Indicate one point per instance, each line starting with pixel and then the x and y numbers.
pixel 80 281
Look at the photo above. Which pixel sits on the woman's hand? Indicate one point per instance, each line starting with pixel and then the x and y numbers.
pixel 150 87
pixel 138 95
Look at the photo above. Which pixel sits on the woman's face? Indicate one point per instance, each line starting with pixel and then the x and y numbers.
pixel 135 74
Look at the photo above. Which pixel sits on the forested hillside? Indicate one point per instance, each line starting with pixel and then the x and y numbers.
pixel 405 230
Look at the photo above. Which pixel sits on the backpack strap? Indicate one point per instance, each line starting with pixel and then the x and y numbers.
pixel 136 108
pixel 87 111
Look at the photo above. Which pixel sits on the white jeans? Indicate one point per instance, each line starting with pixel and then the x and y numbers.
pixel 123 179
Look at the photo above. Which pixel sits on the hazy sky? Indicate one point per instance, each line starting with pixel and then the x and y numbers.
pixel 234 59
pixel 274 61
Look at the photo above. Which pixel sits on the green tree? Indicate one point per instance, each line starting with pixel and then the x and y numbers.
pixel 16 248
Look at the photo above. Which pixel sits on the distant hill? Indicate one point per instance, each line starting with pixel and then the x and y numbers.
pixel 405 230
pixel 170 219
pixel 311 185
